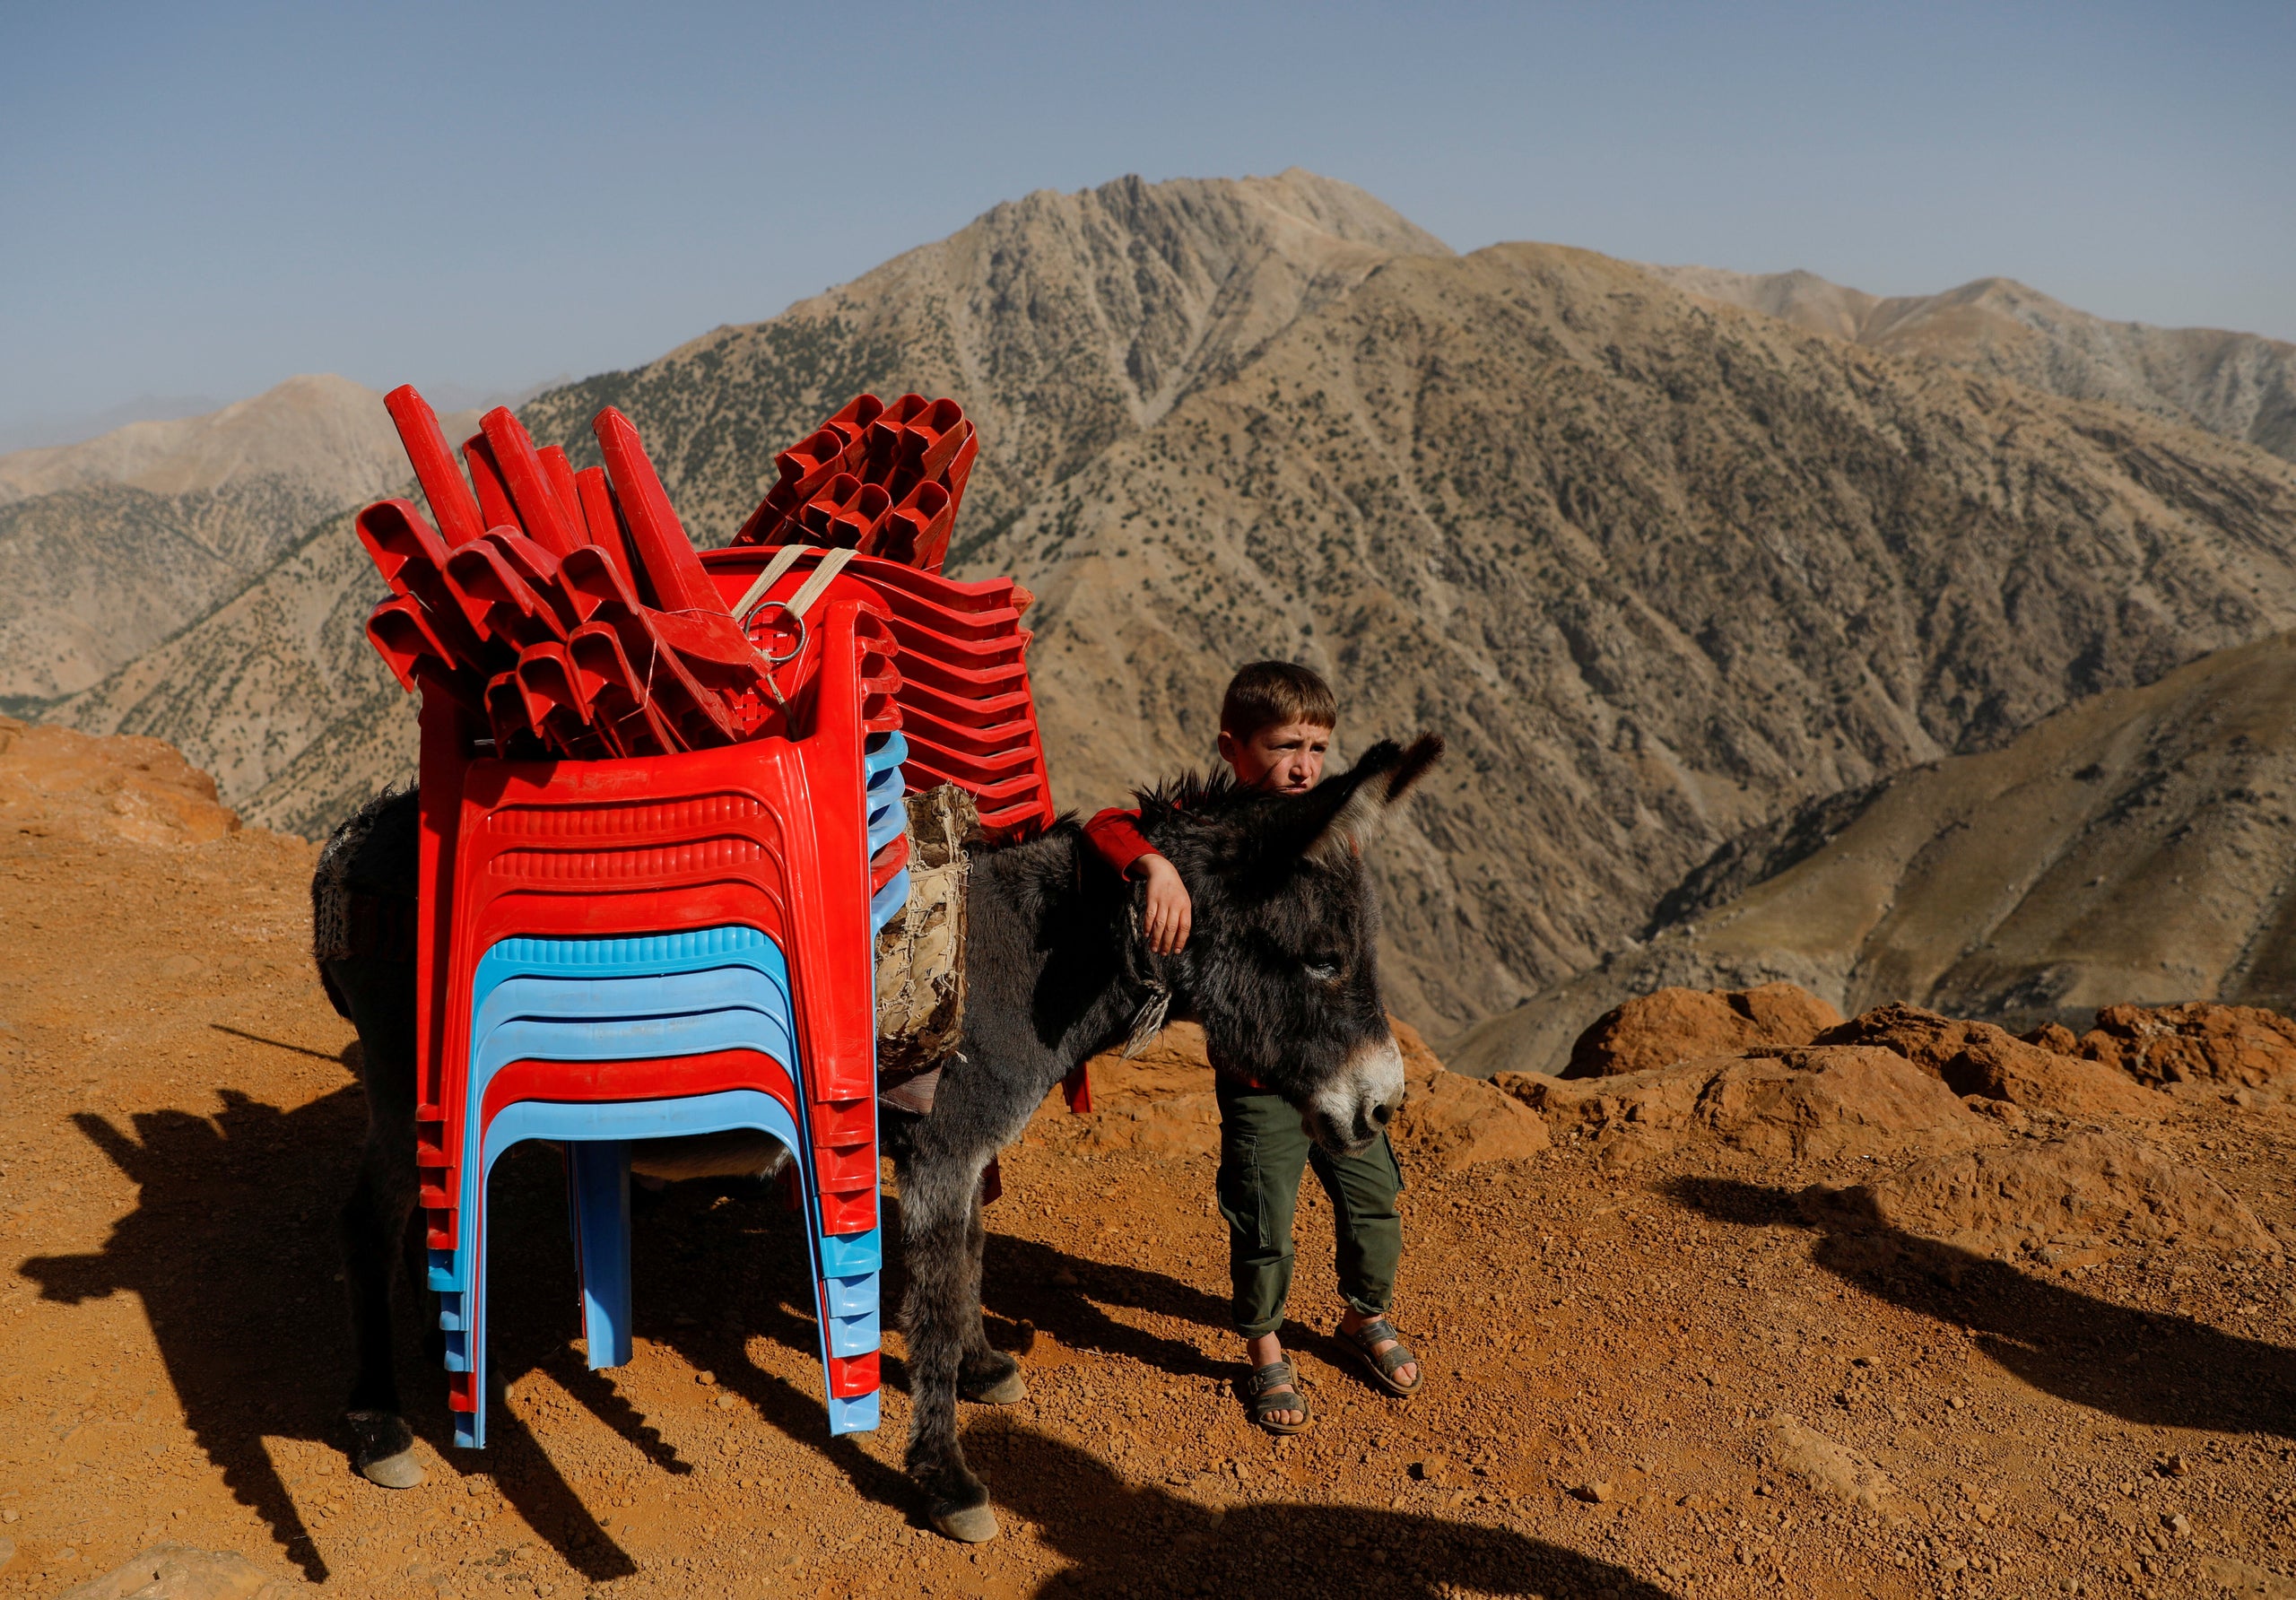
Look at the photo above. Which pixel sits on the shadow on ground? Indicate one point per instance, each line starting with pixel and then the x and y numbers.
pixel 2156 1369
pixel 1123 1541
pixel 231 1248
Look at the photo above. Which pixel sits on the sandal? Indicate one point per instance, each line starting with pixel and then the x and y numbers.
pixel 1263 1406
pixel 1380 1365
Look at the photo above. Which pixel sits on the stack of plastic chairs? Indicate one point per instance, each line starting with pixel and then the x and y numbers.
pixel 650 893
pixel 637 950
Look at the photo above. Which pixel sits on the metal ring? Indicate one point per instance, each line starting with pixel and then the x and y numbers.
pixel 796 650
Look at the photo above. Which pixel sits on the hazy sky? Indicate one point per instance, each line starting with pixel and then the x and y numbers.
pixel 204 199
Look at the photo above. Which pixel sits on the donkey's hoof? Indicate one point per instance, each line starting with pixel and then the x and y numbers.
pixel 968 1524
pixel 386 1450
pixel 1008 1390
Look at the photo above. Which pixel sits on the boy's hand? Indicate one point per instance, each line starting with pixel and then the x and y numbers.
pixel 1169 909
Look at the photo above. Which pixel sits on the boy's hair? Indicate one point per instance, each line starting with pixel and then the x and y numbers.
pixel 1269 694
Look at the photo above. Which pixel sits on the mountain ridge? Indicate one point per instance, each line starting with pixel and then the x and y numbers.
pixel 2242 386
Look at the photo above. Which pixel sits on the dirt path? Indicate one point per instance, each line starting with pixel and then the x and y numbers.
pixel 1609 1354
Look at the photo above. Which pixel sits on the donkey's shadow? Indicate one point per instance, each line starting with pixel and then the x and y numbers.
pixel 1118 1539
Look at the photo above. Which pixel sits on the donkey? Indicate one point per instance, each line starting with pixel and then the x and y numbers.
pixel 1280 968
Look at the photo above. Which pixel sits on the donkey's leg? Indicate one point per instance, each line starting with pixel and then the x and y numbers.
pixel 376 1217
pixel 939 1198
pixel 987 1375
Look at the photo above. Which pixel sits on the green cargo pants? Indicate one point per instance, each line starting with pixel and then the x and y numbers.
pixel 1263 1148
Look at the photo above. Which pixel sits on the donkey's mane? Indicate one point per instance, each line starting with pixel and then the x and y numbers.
pixel 1196 793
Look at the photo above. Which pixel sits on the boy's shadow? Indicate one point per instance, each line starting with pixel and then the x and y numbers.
pixel 2156 1369
pixel 1120 1538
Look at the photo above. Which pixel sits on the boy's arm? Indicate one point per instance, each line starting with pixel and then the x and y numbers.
pixel 1170 913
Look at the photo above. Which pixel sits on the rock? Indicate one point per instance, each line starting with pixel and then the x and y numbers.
pixel 2055 1037
pixel 1671 1025
pixel 2235 1046
pixel 2091 1186
pixel 1454 1121
pixel 1792 1447
pixel 172 1571
pixel 1826 1103
pixel 1981 1059
pixel 1598 1493
pixel 2245 1580
pixel 141 790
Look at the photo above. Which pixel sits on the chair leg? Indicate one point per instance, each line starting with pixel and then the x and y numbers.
pixel 602 1222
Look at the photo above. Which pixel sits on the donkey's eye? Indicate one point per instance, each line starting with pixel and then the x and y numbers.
pixel 1323 969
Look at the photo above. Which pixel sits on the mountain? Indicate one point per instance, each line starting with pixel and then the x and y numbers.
pixel 109 547
pixel 1064 323
pixel 2139 847
pixel 2239 384
pixel 1662 571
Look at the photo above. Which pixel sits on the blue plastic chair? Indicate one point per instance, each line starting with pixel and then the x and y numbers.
pixel 848 1269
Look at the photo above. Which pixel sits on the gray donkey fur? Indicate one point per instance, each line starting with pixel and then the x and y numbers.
pixel 1279 970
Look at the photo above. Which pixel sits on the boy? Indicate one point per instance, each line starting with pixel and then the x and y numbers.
pixel 1275 725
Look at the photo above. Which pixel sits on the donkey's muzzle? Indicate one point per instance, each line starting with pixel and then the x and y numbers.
pixel 1361 1100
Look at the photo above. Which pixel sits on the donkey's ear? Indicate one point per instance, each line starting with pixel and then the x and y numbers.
pixel 1351 804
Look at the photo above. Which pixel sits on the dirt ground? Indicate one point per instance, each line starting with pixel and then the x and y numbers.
pixel 1610 1355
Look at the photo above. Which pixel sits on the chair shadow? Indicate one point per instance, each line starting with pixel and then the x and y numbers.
pixel 756 1279
pixel 2155 1369
pixel 233 1248
pixel 1119 1537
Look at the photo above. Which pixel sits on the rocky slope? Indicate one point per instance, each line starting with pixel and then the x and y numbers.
pixel 2242 386
pixel 2136 846
pixel 1661 572
pixel 1658 574
pixel 1802 1319
pixel 108 548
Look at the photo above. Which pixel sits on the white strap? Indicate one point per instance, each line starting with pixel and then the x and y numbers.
pixel 783 560
pixel 832 563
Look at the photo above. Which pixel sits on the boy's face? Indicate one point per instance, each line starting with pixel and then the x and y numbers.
pixel 1287 758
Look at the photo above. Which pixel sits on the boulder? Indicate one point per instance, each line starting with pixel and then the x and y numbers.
pixel 1795 1449
pixel 1821 1104
pixel 2239 1047
pixel 172 1571
pixel 1978 1058
pixel 1671 1025
pixel 1160 1102
pixel 2089 1189
pixel 1454 1121
pixel 58 780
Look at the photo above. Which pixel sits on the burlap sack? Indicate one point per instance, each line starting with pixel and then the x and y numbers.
pixel 921 951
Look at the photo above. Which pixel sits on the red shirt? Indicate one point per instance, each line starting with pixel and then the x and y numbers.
pixel 1116 836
